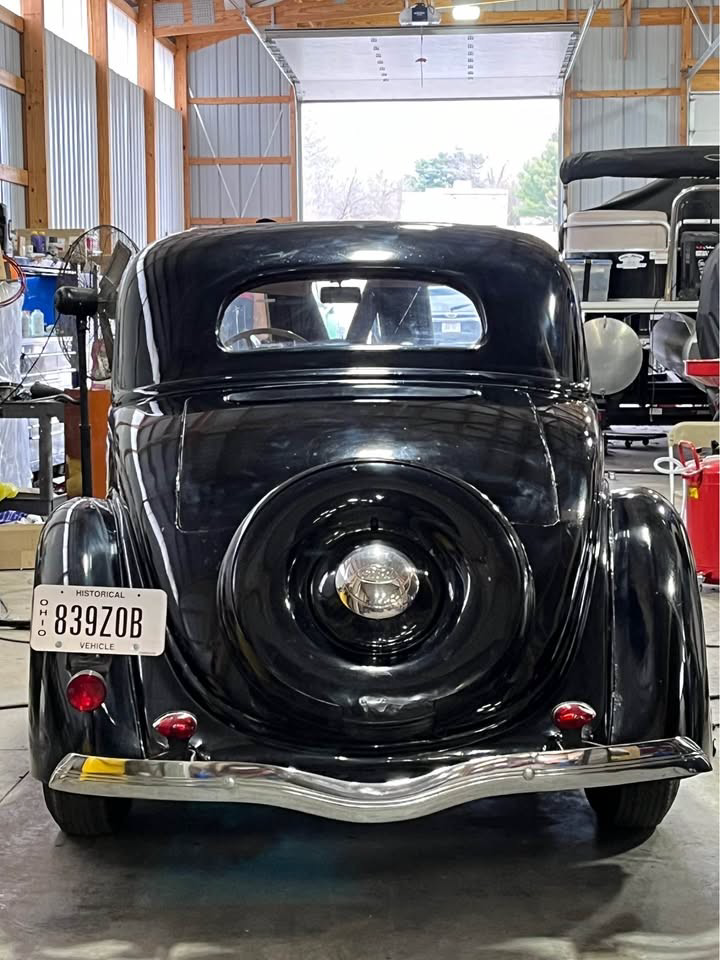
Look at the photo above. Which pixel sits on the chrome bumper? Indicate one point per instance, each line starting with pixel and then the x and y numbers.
pixel 402 798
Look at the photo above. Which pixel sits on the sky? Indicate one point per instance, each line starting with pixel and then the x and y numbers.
pixel 391 136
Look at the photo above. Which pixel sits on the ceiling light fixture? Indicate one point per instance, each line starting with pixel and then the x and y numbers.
pixel 465 12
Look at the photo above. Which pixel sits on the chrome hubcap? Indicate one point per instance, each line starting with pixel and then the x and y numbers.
pixel 376 581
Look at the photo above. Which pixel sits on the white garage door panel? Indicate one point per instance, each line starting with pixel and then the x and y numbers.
pixel 439 64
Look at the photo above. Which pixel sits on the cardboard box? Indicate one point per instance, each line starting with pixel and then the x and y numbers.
pixel 18 545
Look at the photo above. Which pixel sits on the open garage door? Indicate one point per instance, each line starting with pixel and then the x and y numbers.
pixel 432 64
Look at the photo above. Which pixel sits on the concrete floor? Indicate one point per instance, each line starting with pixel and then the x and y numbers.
pixel 520 878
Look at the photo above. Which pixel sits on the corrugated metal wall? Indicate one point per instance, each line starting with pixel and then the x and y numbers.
pixel 12 150
pixel 169 160
pixel 239 67
pixel 127 158
pixel 653 61
pixel 71 105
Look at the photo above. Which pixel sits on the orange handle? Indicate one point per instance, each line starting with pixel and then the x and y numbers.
pixel 686 445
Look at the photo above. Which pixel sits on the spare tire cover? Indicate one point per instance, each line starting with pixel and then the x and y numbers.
pixel 458 647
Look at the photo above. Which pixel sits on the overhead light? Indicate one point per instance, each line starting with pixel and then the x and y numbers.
pixel 466 12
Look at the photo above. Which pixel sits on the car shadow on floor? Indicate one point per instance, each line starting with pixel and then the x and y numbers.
pixel 508 871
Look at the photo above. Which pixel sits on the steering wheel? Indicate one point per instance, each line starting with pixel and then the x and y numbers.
pixel 273 331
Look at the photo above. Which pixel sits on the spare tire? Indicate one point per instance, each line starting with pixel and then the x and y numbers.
pixel 455 648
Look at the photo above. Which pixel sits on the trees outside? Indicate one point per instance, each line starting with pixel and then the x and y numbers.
pixel 333 193
pixel 537 185
pixel 444 169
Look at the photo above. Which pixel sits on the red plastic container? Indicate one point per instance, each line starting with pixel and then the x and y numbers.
pixel 703 514
pixel 706 371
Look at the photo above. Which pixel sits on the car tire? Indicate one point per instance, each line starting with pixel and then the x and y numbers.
pixel 86 816
pixel 633 806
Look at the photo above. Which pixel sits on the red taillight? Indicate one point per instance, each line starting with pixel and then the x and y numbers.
pixel 179 725
pixel 572 715
pixel 86 691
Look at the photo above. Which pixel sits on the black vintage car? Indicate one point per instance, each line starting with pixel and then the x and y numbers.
pixel 370 573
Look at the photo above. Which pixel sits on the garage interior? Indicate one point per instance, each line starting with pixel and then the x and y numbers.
pixel 157 117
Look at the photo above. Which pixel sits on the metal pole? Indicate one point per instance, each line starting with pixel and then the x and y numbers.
pixel 581 39
pixel 698 21
pixel 85 444
pixel 704 57
pixel 261 40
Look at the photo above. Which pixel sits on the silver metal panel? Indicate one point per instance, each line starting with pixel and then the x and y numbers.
pixel 127 158
pixel 71 107
pixel 11 128
pixel 236 130
pixel 450 63
pixel 238 67
pixel 10 57
pixel 704 118
pixel 611 123
pixel 256 192
pixel 169 163
pixel 13 196
pixel 653 59
pixel 12 151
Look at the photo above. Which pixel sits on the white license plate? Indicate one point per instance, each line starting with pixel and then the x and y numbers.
pixel 451 327
pixel 105 620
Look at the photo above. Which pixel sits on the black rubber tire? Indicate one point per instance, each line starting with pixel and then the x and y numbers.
pixel 632 806
pixel 86 816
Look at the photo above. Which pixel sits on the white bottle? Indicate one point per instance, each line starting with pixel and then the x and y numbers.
pixel 37 318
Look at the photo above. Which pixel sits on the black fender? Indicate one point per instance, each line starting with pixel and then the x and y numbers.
pixel 80 545
pixel 659 681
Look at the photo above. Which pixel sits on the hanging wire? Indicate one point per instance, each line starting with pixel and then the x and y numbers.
pixel 19 279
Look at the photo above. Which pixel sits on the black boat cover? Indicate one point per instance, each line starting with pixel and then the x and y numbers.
pixel 650 162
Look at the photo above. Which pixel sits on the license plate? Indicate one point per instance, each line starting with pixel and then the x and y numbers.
pixel 451 327
pixel 104 620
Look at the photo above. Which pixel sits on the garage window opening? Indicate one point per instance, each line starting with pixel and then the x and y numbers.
pixel 342 312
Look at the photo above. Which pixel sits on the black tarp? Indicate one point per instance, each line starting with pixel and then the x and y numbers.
pixel 708 322
pixel 650 162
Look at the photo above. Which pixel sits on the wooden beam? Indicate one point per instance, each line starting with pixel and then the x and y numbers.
pixel 710 66
pixel 98 30
pixel 11 19
pixel 35 131
pixel 239 161
pixel 686 51
pixel 385 13
pixel 201 41
pixel 620 94
pixel 168 44
pixel 224 20
pixel 705 82
pixel 181 105
pixel 146 80
pixel 128 10
pixel 12 82
pixel 224 101
pixel 232 221
pixel 13 175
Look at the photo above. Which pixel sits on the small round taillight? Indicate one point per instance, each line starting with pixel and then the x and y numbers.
pixel 572 715
pixel 179 725
pixel 86 691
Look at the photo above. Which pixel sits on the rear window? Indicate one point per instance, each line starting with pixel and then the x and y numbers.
pixel 343 312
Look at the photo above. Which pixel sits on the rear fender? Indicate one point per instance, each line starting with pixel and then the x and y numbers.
pixel 80 546
pixel 659 672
